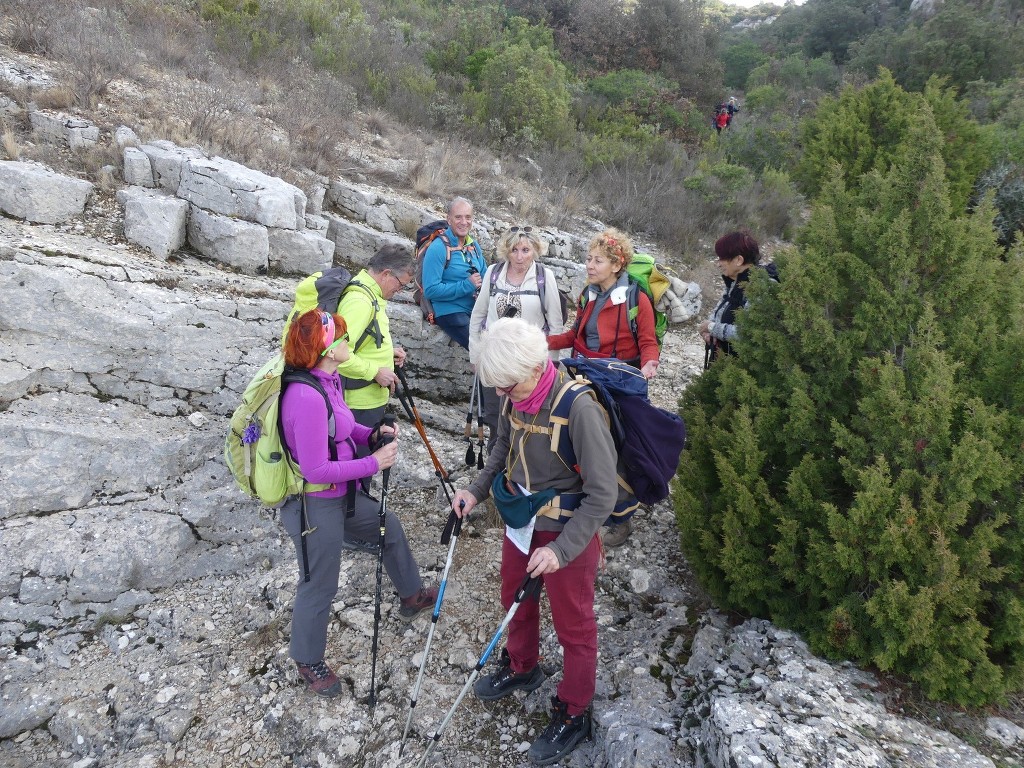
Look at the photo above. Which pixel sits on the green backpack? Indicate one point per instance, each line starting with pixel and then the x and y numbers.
pixel 644 272
pixel 254 450
pixel 645 276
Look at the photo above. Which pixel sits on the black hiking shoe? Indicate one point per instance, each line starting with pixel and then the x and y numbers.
pixel 562 735
pixel 499 684
pixel 320 678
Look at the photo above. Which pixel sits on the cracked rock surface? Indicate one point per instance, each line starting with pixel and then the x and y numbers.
pixel 145 603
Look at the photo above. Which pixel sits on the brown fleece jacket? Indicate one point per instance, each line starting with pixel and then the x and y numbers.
pixel 533 464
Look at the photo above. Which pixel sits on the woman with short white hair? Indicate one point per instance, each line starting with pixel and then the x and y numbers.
pixel 552 515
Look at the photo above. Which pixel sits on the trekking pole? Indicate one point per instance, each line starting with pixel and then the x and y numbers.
pixel 470 458
pixel 387 421
pixel 529 588
pixel 455 526
pixel 410 408
pixel 479 425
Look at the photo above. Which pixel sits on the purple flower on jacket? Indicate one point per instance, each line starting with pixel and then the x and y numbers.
pixel 251 434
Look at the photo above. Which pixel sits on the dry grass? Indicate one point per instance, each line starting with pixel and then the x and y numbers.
pixel 10 144
pixel 31 25
pixel 429 173
pixel 57 97
pixel 96 44
pixel 101 163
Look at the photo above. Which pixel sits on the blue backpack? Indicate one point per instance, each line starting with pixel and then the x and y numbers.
pixel 648 439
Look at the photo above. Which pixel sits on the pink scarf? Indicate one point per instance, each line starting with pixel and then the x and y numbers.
pixel 531 404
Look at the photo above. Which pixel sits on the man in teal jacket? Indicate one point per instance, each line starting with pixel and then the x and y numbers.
pixel 453 266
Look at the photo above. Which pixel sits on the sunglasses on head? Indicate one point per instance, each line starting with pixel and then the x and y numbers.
pixel 524 230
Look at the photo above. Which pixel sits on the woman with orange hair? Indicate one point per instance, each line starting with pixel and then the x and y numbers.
pixel 321 435
pixel 603 327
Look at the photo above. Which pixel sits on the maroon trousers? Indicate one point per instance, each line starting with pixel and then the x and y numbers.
pixel 571 595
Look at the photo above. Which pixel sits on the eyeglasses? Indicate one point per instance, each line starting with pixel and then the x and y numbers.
pixel 403 284
pixel 337 341
pixel 524 230
pixel 506 391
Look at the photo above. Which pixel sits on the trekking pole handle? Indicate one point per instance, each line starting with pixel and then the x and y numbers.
pixel 382 440
pixel 454 525
pixel 529 588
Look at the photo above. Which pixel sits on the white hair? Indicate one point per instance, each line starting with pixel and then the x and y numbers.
pixel 510 351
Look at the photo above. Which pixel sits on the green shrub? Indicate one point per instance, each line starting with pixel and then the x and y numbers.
pixel 526 91
pixel 767 142
pixel 721 181
pixel 776 204
pixel 1005 182
pixel 739 60
pixel 765 98
pixel 861 130
pixel 856 472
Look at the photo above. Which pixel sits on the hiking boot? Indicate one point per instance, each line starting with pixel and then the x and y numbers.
pixel 499 684
pixel 412 605
pixel 321 679
pixel 616 535
pixel 562 735
pixel 355 545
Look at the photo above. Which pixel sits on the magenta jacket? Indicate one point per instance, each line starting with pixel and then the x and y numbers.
pixel 304 421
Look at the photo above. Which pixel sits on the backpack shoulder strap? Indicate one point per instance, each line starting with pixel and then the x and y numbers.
pixel 293 375
pixel 495 271
pixel 541 286
pixel 373 327
pixel 633 309
pixel 448 248
pixel 559 420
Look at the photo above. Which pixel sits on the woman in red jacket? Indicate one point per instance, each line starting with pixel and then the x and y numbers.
pixel 603 326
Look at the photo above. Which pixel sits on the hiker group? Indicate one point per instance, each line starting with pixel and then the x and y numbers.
pixel 574 445
pixel 724 113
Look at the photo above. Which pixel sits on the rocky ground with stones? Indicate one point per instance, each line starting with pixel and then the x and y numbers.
pixel 145 605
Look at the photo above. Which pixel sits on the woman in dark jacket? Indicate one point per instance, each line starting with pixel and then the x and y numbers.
pixel 737 252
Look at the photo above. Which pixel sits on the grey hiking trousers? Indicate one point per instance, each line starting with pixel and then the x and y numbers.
pixel 312 610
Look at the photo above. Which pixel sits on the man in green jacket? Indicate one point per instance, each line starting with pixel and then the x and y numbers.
pixel 369 372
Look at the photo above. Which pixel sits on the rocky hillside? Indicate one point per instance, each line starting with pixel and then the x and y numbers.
pixel 144 602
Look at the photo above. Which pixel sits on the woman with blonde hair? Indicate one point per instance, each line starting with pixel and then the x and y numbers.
pixel 603 326
pixel 514 286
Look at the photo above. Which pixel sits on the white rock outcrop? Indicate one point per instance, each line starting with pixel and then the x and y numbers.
pixel 38 194
pixel 154 220
pixel 231 189
pixel 234 242
pixel 59 128
pixel 137 168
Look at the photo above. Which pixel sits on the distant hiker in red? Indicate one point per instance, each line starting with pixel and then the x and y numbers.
pixel 721 120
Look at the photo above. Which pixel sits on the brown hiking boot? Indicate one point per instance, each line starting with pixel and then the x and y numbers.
pixel 616 535
pixel 412 605
pixel 321 679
